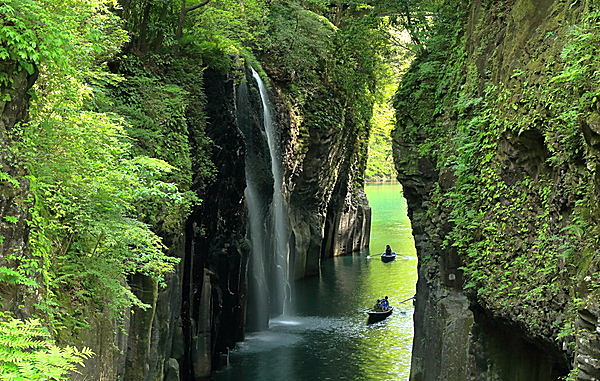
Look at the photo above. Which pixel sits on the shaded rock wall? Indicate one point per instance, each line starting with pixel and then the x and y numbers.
pixel 214 283
pixel 329 212
pixel 495 175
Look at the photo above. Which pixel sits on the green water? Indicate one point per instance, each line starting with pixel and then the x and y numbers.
pixel 328 337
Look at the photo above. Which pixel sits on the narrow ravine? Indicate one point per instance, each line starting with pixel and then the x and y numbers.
pixel 328 337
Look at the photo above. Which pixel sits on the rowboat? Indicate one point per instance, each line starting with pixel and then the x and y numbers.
pixel 379 315
pixel 388 258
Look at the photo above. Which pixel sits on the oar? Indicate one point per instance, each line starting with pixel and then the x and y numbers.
pixel 406 300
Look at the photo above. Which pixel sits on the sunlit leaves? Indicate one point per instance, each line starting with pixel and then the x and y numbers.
pixel 224 30
pixel 28 353
pixel 91 193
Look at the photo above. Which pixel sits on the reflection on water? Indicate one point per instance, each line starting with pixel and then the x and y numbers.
pixel 329 338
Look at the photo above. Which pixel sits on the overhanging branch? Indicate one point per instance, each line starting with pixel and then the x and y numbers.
pixel 193 7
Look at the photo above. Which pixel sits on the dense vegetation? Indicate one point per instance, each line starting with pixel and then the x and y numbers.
pixel 113 156
pixel 94 197
pixel 99 176
pixel 511 139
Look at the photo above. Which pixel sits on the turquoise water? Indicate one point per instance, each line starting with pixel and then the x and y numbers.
pixel 329 338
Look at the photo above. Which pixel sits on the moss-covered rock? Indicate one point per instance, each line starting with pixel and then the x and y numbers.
pixel 498 163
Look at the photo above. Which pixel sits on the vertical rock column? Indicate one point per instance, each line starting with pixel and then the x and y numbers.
pixel 216 254
pixel 329 213
pixel 14 103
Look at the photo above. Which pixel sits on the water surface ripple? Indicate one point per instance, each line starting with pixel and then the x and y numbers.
pixel 328 338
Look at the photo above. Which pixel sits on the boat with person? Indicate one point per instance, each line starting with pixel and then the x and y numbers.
pixel 388 257
pixel 379 315
pixel 380 310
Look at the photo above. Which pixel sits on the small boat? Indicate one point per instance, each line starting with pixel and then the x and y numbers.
pixel 387 258
pixel 379 315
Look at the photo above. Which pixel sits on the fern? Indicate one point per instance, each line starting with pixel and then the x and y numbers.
pixel 11 276
pixel 27 352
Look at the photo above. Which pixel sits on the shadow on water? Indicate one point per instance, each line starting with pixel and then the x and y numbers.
pixel 330 336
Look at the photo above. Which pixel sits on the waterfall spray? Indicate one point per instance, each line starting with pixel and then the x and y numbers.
pixel 279 222
pixel 269 291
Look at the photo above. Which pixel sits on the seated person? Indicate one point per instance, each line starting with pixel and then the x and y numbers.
pixel 377 306
pixel 388 250
pixel 385 304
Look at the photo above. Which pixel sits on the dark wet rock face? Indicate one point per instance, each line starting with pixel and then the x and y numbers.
pixel 499 354
pixel 587 354
pixel 329 212
pixel 214 269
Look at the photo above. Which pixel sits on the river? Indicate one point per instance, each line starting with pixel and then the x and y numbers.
pixel 327 336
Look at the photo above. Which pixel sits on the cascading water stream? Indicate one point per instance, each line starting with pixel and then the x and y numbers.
pixel 269 288
pixel 258 296
pixel 279 221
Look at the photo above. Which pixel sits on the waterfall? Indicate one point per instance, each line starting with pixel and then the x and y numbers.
pixel 269 283
pixel 278 207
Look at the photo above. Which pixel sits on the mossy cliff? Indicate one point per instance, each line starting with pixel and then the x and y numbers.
pixel 497 147
pixel 324 106
pixel 14 186
pixel 329 212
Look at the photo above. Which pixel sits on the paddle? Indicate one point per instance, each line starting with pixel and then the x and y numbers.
pixel 406 300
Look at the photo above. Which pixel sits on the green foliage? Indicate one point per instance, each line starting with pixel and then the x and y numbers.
pixel 12 276
pixel 298 45
pixel 456 111
pixel 9 179
pixel 29 35
pixel 93 194
pixel 331 58
pixel 224 30
pixel 89 194
pixel 44 32
pixel 153 25
pixel 380 165
pixel 28 353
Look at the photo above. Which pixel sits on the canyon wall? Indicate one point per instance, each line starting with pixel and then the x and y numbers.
pixel 496 146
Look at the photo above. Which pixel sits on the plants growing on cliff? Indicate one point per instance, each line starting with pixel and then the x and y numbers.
pixel 28 353
pixel 90 192
pixel 225 30
pixel 514 158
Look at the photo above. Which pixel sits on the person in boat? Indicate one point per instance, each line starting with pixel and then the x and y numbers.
pixel 385 304
pixel 388 250
pixel 377 306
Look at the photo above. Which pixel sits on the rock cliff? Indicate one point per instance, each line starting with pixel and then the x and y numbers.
pixel 14 187
pixel 496 146
pixel 329 212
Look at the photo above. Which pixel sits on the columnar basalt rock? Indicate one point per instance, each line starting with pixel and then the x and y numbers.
pixel 214 269
pixel 329 212
pixel 500 193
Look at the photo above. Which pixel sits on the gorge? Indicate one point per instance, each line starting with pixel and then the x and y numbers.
pixel 170 171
